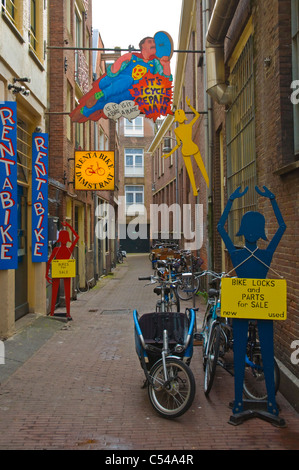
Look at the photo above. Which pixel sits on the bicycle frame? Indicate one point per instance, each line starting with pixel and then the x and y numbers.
pixel 181 351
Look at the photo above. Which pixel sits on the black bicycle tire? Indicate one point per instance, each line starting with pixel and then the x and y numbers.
pixel 252 396
pixel 192 292
pixel 208 380
pixel 177 300
pixel 161 410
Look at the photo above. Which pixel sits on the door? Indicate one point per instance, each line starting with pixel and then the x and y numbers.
pixel 21 274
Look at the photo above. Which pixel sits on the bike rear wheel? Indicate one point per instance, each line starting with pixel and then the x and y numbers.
pixel 211 358
pixel 254 385
pixel 187 287
pixel 174 397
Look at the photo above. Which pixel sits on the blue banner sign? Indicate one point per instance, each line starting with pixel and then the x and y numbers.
pixel 39 197
pixel 8 186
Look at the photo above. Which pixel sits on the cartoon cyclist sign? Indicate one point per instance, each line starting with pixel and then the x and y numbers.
pixel 137 82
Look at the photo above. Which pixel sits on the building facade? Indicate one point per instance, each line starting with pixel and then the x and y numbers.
pixel 74 65
pixel 255 139
pixel 135 186
pixel 23 80
pixel 187 221
pixel 244 77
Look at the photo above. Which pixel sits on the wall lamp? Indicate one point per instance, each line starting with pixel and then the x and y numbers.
pixel 167 143
pixel 24 79
pixel 18 89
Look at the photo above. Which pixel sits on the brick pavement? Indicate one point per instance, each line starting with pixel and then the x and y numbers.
pixel 81 388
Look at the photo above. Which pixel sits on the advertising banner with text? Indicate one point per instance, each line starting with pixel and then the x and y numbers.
pixel 39 197
pixel 8 186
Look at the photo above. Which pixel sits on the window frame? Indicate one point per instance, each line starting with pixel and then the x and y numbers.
pixel 134 206
pixel 133 129
pixel 240 133
pixel 134 170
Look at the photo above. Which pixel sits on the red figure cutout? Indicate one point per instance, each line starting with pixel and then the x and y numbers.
pixel 62 252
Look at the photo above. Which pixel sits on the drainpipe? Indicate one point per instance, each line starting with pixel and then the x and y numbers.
pixel 221 18
pixel 208 134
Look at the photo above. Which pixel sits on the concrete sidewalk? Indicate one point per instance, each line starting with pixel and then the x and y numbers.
pixel 77 385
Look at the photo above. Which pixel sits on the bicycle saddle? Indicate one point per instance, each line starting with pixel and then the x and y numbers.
pixel 157 290
pixel 213 292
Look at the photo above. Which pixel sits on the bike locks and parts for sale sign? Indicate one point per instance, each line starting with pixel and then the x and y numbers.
pixel 94 171
pixel 261 299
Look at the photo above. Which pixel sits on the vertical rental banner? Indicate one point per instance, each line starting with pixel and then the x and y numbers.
pixel 8 186
pixel 39 197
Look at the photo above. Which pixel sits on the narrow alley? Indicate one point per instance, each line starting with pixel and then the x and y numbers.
pixel 77 385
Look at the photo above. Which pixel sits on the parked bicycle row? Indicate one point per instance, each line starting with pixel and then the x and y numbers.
pixel 164 342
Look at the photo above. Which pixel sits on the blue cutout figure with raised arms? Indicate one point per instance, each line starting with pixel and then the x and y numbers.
pixel 252 262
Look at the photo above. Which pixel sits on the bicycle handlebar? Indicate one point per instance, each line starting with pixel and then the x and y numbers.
pixel 154 279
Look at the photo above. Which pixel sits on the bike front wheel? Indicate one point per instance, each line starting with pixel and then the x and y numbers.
pixel 173 397
pixel 211 358
pixel 174 301
pixel 254 386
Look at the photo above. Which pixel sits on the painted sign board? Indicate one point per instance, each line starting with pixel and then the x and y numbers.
pixel 62 268
pixel 262 299
pixel 137 82
pixel 39 197
pixel 94 171
pixel 8 186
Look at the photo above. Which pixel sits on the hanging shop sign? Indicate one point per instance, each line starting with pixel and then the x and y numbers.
pixel 39 197
pixel 137 82
pixel 8 186
pixel 183 133
pixel 264 299
pixel 94 171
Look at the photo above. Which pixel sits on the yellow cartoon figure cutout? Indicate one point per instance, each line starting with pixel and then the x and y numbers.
pixel 183 135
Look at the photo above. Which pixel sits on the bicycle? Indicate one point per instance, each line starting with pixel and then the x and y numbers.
pixel 164 345
pixel 120 255
pixel 217 336
pixel 188 283
pixel 167 292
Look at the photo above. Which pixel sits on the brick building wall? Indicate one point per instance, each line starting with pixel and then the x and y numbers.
pixel 70 77
pixel 274 149
pixel 135 142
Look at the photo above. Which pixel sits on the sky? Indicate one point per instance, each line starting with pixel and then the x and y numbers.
pixel 125 22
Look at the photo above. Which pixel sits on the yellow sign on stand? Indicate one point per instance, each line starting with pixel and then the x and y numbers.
pixel 63 268
pixel 260 299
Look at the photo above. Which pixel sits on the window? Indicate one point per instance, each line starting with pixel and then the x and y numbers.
pixel 134 127
pixel 134 162
pixel 10 9
pixel 134 199
pixel 23 152
pixel 78 40
pixel 69 93
pixel 33 26
pixel 36 31
pixel 241 158
pixel 79 142
pixel 295 54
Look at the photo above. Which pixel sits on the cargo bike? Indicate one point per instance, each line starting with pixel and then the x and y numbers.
pixel 164 346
